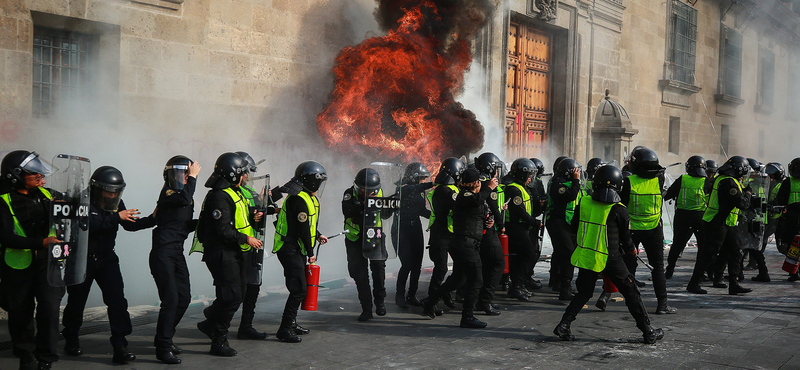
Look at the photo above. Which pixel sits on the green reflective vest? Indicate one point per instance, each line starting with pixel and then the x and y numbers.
pixel 501 200
pixel 282 227
pixel 241 221
pixel 592 250
pixel 570 211
pixel 773 194
pixel 248 192
pixel 794 190
pixel 433 215
pixel 526 197
pixel 353 229
pixel 713 203
pixel 645 203
pixel 692 197
pixel 20 259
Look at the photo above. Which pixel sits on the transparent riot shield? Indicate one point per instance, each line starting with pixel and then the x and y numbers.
pixel 69 217
pixel 258 188
pixel 751 221
pixel 381 212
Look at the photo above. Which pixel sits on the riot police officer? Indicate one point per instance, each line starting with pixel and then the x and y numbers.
pixel 295 236
pixel 591 168
pixel 789 196
pixel 367 183
pixel 691 194
pixel 641 193
pixel 106 213
pixel 564 194
pixel 711 168
pixel 442 199
pixel 776 174
pixel 521 211
pixel 224 228
pixel 25 236
pixel 728 196
pixel 409 232
pixel 601 223
pixel 539 201
pixel 491 251
pixel 174 222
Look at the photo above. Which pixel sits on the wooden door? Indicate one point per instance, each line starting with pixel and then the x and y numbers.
pixel 528 90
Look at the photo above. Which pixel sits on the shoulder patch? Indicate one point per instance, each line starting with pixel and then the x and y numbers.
pixel 455 195
pixel 170 192
pixel 302 217
pixel 562 190
pixel 216 214
pixel 734 191
pixel 347 196
pixel 518 200
pixel 467 193
pixel 493 196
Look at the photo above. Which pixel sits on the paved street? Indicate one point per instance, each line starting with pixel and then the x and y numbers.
pixel 754 331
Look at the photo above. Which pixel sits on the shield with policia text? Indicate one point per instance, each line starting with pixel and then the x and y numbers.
pixel 69 217
pixel 751 221
pixel 381 211
pixel 257 188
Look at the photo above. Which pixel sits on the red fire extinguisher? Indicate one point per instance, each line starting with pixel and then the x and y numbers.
pixel 608 286
pixel 792 261
pixel 312 290
pixel 504 243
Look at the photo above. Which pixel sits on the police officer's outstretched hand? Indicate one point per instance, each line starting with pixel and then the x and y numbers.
pixel 253 242
pixel 129 214
pixel 194 169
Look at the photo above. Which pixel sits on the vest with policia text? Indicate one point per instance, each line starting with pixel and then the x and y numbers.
pixel 592 250
pixel 645 203
pixel 713 203
pixel 354 229
pixel 526 197
pixel 241 221
pixel 282 227
pixel 433 215
pixel 20 259
pixel 570 211
pixel 692 197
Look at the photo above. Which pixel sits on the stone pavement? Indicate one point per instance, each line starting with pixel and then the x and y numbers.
pixel 760 330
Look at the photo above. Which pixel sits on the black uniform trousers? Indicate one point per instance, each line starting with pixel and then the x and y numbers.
pixel 492 265
pixel 617 271
pixel 24 292
pixel 104 269
pixel 251 291
pixel 563 245
pixel 294 271
pixel 227 269
pixel 521 252
pixel 684 225
pixel 410 252
pixel 653 242
pixel 537 250
pixel 720 239
pixel 438 253
pixel 169 270
pixel 466 272
pixel 359 268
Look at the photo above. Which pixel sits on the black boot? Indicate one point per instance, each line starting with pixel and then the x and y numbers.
pixel 412 300
pixel 44 365
pixel 380 308
pixel 793 277
pixel 669 271
pixel 602 301
pixel 448 301
pixel 220 347
pixel 299 330
pixel 532 284
pixel 734 288
pixel 175 350
pixel 664 309
pixel 122 355
pixel 651 335
pixel 428 308
pixel 73 346
pixel 400 300
pixel 516 292
pixel 167 357
pixel 562 330
pixel 761 277
pixel 250 333
pixel 471 322
pixel 205 327
pixel 565 294
pixel 719 281
pixel 487 308
pixel 285 334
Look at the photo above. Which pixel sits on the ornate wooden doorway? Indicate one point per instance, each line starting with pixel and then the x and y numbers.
pixel 528 90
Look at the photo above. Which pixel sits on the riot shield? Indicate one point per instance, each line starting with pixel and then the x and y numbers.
pixel 381 212
pixel 751 221
pixel 69 217
pixel 258 187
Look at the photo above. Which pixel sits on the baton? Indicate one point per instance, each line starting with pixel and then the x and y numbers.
pixel 645 263
pixel 673 165
pixel 339 234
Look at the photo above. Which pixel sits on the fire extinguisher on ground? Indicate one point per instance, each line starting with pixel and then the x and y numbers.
pixel 792 261
pixel 504 244
pixel 312 281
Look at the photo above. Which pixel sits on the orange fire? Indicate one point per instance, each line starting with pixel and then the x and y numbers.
pixel 394 95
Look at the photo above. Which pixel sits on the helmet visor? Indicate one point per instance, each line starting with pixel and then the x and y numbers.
pixel 176 176
pixel 108 200
pixel 33 165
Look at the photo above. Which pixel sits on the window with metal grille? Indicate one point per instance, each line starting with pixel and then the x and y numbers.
pixel 61 62
pixel 732 57
pixel 766 79
pixel 683 48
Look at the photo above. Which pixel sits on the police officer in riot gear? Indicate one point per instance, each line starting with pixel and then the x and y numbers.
pixel 591 168
pixel 776 174
pixel 107 212
pixel 601 224
pixel 296 235
pixel 224 228
pixel 409 232
pixel 367 183
pixel 521 219
pixel 174 222
pixel 789 196
pixel 539 201
pixel 691 194
pixel 24 288
pixel 564 194
pixel 442 199
pixel 727 198
pixel 491 252
pixel 711 168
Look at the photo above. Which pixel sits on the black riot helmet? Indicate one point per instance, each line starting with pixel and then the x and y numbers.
pixel 175 172
pixel 523 169
pixel 755 165
pixel 539 166
pixel 310 175
pixel 696 166
pixel 19 163
pixel 711 167
pixel 367 181
pixel 107 187
pixel 228 170
pixel 736 167
pixel 251 163
pixel 450 171
pixel 565 168
pixel 644 163
pixel 415 173
pixel 557 162
pixel 794 168
pixel 606 184
pixel 488 164
pixel 592 166
pixel 775 171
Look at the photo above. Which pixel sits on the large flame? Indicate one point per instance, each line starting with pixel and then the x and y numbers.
pixel 394 95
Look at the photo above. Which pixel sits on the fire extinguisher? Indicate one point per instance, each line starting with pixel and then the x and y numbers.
pixel 504 244
pixel 312 290
pixel 792 261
